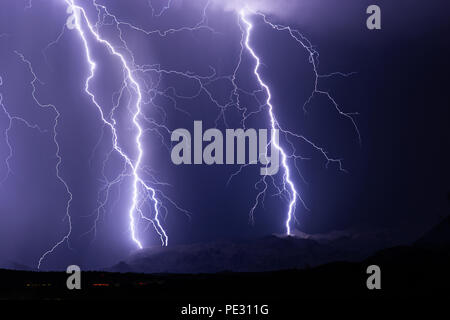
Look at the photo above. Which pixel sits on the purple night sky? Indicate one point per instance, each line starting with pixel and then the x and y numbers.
pixel 184 63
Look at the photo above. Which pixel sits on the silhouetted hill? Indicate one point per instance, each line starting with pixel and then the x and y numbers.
pixel 193 273
pixel 15 266
pixel 406 271
pixel 265 254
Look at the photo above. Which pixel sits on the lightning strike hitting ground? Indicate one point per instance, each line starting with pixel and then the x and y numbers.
pixel 274 126
pixel 288 187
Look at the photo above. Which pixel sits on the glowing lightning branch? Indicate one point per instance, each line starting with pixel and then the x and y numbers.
pixel 142 192
pixel 314 60
pixel 11 120
pixel 274 125
pixel 139 185
pixel 35 79
pixel 287 189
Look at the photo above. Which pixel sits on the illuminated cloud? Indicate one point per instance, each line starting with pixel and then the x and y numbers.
pixel 279 7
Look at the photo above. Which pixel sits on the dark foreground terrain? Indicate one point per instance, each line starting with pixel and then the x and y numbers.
pixel 405 271
pixel 420 270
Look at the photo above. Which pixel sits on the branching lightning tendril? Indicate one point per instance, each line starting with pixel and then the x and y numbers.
pixel 58 156
pixel 139 184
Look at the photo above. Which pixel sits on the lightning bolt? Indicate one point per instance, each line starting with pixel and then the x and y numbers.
pixel 139 185
pixel 288 187
pixel 288 184
pixel 142 191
